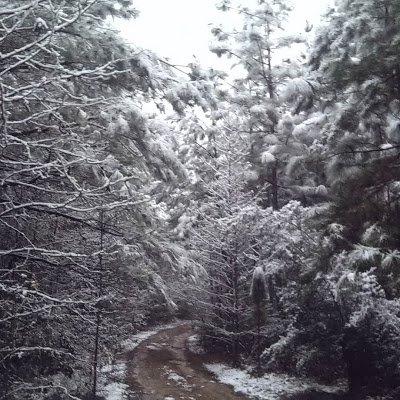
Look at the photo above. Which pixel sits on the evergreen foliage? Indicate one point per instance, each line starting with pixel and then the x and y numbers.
pixel 74 147
pixel 266 207
pixel 325 134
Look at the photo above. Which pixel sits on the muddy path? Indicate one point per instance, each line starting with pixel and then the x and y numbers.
pixel 161 368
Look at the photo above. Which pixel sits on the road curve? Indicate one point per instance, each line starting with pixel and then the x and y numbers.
pixel 161 368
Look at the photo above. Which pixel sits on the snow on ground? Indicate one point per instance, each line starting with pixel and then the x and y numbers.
pixel 267 387
pixel 111 381
pixel 115 391
pixel 194 344
pixel 153 346
pixel 134 341
pixel 175 378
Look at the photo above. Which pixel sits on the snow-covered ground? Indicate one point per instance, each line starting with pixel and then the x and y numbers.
pixel 134 341
pixel 112 381
pixel 194 344
pixel 115 391
pixel 178 380
pixel 269 386
pixel 266 387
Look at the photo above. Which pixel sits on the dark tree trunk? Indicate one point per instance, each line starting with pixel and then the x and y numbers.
pixel 98 312
pixel 274 183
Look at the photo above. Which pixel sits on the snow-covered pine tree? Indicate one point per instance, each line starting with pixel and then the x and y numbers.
pixel 355 62
pixel 220 244
pixel 257 50
pixel 73 145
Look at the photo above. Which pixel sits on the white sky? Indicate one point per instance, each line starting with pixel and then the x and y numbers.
pixel 179 29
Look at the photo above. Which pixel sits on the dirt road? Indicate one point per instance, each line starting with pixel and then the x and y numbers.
pixel 161 368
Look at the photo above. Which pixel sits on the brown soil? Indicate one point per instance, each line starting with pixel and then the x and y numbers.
pixel 161 368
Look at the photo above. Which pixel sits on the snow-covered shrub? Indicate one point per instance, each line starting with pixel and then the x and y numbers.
pixel 280 355
pixel 371 323
pixel 312 344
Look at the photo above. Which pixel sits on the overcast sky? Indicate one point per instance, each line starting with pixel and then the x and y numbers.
pixel 179 29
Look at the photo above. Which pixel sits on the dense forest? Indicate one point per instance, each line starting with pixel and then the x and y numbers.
pixel 263 205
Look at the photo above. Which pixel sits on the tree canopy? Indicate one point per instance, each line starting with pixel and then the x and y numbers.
pixel 264 206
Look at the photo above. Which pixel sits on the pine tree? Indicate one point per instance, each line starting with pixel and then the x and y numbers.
pixel 354 61
pixel 256 48
pixel 220 245
pixel 74 145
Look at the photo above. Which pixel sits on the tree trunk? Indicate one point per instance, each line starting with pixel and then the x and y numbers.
pixel 98 312
pixel 258 311
pixel 236 314
pixel 274 183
